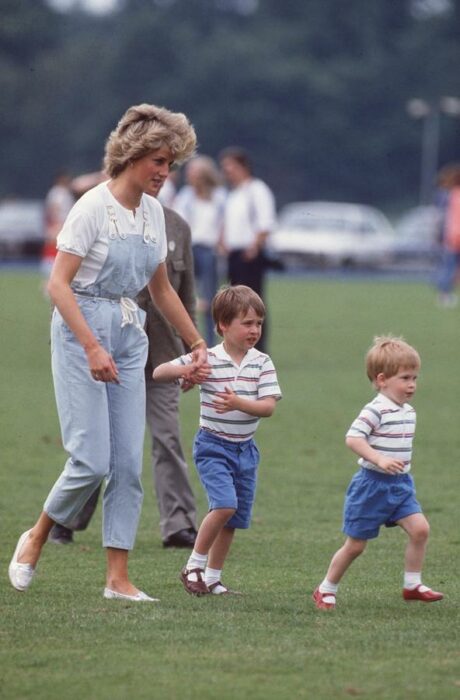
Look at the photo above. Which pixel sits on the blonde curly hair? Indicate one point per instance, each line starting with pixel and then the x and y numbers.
pixel 145 128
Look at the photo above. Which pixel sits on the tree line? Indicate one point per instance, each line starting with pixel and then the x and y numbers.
pixel 316 90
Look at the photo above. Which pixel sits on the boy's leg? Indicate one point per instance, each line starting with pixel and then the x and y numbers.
pixel 324 595
pixel 215 464
pixel 220 548
pixel 217 556
pixel 418 530
pixel 344 556
pixel 210 529
pixel 245 463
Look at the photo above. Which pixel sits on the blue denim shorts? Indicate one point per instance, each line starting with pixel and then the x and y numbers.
pixel 228 472
pixel 374 499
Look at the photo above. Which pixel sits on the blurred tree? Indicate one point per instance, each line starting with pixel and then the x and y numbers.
pixel 316 91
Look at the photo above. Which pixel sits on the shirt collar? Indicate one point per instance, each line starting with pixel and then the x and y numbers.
pixel 221 353
pixel 388 403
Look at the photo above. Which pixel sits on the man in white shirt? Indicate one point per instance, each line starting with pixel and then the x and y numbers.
pixel 249 217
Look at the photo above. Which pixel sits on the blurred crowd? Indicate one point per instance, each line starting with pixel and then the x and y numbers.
pixel 231 214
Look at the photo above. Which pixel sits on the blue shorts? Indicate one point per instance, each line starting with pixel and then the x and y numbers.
pixel 374 499
pixel 228 472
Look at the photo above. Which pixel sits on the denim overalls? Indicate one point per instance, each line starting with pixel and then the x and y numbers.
pixel 102 424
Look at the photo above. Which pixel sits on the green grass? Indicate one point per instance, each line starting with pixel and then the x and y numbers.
pixel 62 640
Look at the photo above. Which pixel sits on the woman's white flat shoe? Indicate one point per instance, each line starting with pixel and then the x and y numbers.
pixel 21 575
pixel 139 597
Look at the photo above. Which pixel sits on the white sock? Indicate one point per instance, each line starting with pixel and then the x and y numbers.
pixel 328 587
pixel 412 579
pixel 213 576
pixel 196 561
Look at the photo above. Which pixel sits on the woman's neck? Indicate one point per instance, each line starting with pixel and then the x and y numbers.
pixel 125 192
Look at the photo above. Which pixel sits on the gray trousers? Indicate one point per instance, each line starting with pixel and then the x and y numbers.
pixel 176 501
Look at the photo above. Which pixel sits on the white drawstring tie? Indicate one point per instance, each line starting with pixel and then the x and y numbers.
pixel 129 313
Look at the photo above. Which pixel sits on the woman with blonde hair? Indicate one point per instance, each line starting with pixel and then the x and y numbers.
pixel 201 203
pixel 112 244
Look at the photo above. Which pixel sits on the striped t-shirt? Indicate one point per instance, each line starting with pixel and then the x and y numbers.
pixel 255 378
pixel 388 428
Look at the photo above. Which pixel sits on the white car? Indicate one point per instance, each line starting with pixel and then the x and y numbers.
pixel 21 228
pixel 417 243
pixel 332 234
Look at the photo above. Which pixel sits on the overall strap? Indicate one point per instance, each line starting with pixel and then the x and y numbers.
pixel 114 230
pixel 147 230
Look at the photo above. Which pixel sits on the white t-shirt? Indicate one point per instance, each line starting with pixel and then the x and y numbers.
pixel 86 230
pixel 204 216
pixel 250 209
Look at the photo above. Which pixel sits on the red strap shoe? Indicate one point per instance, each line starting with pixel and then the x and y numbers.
pixel 324 601
pixel 427 596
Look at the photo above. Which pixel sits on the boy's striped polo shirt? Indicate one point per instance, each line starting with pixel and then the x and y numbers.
pixel 255 378
pixel 388 428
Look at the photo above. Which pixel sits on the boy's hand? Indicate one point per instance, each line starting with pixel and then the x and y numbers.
pixel 225 401
pixel 195 374
pixel 389 465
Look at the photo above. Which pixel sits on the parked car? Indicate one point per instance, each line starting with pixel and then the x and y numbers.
pixel 21 228
pixel 417 242
pixel 332 234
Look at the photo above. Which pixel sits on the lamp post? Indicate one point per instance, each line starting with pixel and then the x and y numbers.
pixel 430 113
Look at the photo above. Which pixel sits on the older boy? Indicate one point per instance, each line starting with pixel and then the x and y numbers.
pixel 238 388
pixel 382 492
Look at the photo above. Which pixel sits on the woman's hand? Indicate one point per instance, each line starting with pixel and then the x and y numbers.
pixel 101 365
pixel 194 374
pixel 200 355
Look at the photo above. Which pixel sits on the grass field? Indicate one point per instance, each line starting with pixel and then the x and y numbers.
pixel 62 640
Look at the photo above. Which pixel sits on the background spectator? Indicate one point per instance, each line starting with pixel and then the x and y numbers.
pixel 249 217
pixel 201 202
pixel 58 203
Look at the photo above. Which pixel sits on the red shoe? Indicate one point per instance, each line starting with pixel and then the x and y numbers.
pixel 428 596
pixel 320 601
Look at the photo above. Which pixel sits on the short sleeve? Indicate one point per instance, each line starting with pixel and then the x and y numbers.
pixel 182 360
pixel 268 381
pixel 78 233
pixel 366 423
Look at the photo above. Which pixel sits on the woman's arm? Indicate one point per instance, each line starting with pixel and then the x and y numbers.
pixel 64 270
pixel 173 310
